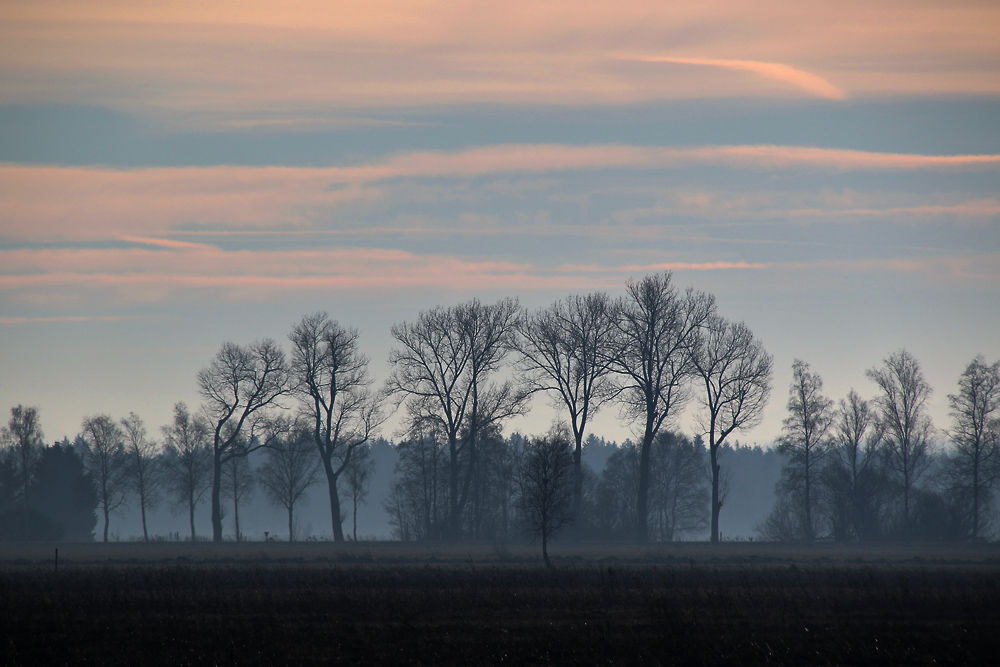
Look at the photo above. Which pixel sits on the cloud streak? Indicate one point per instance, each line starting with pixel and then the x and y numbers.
pixel 289 63
pixel 810 83
pixel 46 202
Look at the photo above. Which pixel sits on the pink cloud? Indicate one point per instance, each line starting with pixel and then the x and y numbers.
pixel 805 81
pixel 44 202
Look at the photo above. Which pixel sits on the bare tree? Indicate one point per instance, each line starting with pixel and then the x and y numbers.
pixel 546 483
pixel 902 405
pixel 855 474
pixel 239 386
pixel 975 411
pixel 735 374
pixel 803 440
pixel 23 435
pixel 145 469
pixel 105 459
pixel 332 382
pixel 658 330
pixel 567 350
pixel 357 476
pixel 187 460
pixel 238 485
pixel 291 468
pixel 443 370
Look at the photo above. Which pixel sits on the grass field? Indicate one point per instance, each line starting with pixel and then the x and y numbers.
pixel 389 603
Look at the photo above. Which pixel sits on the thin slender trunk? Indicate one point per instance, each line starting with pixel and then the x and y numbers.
pixel 338 527
pixel 713 454
pixel 975 495
pixel 105 521
pixel 236 518
pixel 577 485
pixel 453 484
pixel 291 532
pixel 354 515
pixel 216 497
pixel 142 509
pixel 642 503
pixel 809 524
pixel 191 516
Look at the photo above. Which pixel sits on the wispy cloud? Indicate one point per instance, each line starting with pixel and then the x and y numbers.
pixel 43 202
pixel 300 59
pixel 801 79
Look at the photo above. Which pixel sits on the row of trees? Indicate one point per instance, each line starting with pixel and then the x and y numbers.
pixel 459 373
pixel 856 469
pixel 115 464
pixel 651 351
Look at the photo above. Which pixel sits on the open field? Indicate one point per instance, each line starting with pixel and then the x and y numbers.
pixel 389 603
pixel 387 552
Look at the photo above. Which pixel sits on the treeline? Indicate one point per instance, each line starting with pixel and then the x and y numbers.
pixel 458 374
pixel 877 469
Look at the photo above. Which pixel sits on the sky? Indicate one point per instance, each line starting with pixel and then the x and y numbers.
pixel 177 174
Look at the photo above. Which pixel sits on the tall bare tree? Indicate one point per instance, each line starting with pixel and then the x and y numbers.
pixel 105 459
pixel 734 372
pixel 567 350
pixel 546 482
pixel 23 435
pixel 239 387
pixel 291 468
pixel 330 377
pixel 187 460
pixel 804 441
pixel 658 330
pixel 975 413
pixel 443 370
pixel 855 474
pixel 145 466
pixel 902 405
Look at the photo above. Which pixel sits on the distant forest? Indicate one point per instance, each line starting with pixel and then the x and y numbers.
pixel 279 425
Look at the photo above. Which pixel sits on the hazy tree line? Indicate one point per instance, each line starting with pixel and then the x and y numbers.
pixel 876 468
pixel 857 470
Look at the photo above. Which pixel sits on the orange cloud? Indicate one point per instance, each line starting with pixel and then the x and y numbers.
pixel 810 83
pixel 293 61
pixel 42 202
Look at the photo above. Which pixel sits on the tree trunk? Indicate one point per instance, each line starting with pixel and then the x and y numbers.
pixel 191 517
pixel 236 518
pixel 975 496
pixel 577 485
pixel 453 520
pixel 354 516
pixel 331 485
pixel 713 453
pixel 642 503
pixel 217 499
pixel 142 508
pixel 291 531
pixel 105 521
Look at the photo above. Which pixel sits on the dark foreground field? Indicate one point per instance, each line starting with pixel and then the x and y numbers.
pixel 696 605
